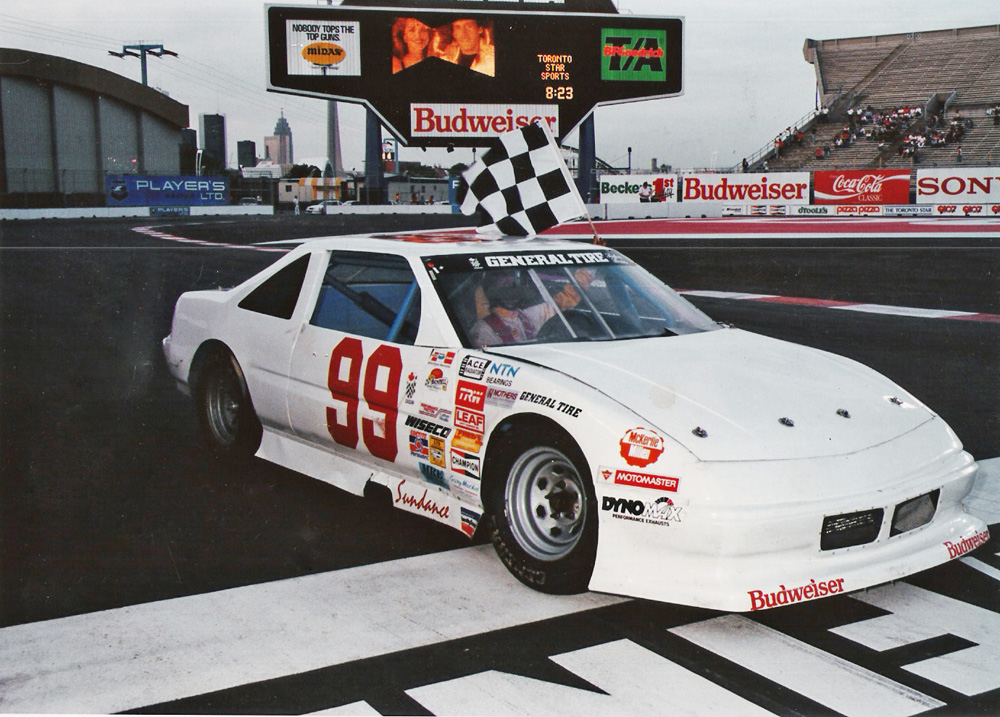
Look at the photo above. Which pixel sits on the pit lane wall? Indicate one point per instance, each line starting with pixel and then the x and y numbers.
pixel 862 193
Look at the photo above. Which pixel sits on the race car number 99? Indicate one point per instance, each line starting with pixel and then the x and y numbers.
pixel 380 391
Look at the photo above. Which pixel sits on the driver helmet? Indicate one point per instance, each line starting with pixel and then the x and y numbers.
pixel 510 290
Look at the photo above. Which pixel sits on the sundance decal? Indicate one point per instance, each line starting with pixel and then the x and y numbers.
pixel 966 545
pixel 419 502
pixel 640 447
pixel 786 596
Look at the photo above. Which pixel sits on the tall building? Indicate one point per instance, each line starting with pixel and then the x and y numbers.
pixel 213 141
pixel 246 153
pixel 278 147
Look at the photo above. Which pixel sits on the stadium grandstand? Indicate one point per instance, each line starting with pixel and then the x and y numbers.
pixel 896 101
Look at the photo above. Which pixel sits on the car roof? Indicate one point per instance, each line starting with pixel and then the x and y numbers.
pixel 437 243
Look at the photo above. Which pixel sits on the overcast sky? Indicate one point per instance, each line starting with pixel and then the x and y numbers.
pixel 745 76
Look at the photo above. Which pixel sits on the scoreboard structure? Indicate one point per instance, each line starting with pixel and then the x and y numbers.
pixel 459 77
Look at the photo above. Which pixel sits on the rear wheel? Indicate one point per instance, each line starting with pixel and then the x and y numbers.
pixel 228 421
pixel 544 517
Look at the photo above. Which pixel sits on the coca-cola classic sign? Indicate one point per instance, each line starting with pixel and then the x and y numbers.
pixel 858 186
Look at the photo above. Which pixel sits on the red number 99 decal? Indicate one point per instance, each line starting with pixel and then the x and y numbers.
pixel 381 393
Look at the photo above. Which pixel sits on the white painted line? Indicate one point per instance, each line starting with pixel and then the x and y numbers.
pixel 636 680
pixel 818 675
pixel 355 709
pixel 918 614
pixel 982 567
pixel 146 654
pixel 904 311
pixel 735 295
pixel 984 500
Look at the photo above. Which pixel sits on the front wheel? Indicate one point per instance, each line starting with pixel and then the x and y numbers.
pixel 225 412
pixel 545 519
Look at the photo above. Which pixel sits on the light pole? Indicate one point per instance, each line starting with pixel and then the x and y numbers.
pixel 630 160
pixel 140 51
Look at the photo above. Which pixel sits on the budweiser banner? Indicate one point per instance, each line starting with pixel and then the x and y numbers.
pixel 980 185
pixel 468 120
pixel 876 186
pixel 779 188
pixel 635 188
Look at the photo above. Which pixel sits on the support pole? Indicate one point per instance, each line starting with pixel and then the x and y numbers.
pixel 374 176
pixel 588 161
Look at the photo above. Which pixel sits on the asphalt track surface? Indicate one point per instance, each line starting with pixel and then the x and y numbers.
pixel 108 502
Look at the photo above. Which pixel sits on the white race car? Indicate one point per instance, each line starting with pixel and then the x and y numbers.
pixel 608 433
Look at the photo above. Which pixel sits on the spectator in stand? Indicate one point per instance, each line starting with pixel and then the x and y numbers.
pixel 996 115
pixel 958 155
pixel 746 165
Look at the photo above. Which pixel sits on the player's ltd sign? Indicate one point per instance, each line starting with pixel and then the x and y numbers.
pixel 474 120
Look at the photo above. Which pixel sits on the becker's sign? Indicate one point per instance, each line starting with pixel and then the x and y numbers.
pixel 439 77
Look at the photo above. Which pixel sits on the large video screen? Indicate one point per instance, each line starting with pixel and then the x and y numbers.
pixel 457 77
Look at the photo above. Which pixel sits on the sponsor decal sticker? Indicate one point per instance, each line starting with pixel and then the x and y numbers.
pixel 440 414
pixel 433 475
pixel 442 357
pixel 464 463
pixel 431 428
pixel 470 519
pixel 435 451
pixel 661 511
pixel 436 380
pixel 966 545
pixel 418 444
pixel 635 479
pixel 473 420
pixel 415 500
pixel 500 397
pixel 467 441
pixel 411 387
pixel 786 596
pixel 640 447
pixel 473 367
pixel 552 403
pixel 470 395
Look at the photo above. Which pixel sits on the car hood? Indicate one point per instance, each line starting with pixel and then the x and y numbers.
pixel 753 397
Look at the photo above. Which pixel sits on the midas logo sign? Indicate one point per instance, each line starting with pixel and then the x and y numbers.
pixel 636 55
pixel 324 53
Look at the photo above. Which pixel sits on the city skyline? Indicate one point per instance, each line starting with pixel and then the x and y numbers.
pixel 745 76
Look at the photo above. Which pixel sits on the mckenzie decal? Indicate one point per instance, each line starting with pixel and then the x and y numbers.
pixel 640 447
pixel 966 545
pixel 462 120
pixel 786 596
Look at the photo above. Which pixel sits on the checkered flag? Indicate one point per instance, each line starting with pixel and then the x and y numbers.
pixel 522 186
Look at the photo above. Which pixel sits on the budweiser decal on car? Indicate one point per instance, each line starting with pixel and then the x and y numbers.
pixel 640 447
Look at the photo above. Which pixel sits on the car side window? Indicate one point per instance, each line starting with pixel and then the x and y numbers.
pixel 278 295
pixel 369 295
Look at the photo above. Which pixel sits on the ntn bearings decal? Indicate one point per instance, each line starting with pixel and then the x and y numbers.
pixel 640 447
pixel 636 479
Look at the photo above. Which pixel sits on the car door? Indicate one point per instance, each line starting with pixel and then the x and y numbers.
pixel 354 372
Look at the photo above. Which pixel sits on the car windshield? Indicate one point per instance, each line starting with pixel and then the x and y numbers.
pixel 526 297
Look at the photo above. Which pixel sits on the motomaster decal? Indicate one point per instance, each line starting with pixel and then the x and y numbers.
pixel 635 479
pixel 966 545
pixel 786 596
pixel 661 511
pixel 640 447
pixel 473 367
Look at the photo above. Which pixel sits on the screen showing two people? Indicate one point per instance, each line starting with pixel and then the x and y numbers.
pixel 465 41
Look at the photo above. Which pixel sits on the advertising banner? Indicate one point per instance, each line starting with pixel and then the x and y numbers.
pixel 132 190
pixel 411 64
pixel 977 185
pixel 876 186
pixel 636 188
pixel 784 187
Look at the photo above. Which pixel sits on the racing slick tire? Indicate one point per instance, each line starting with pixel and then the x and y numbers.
pixel 544 514
pixel 226 414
